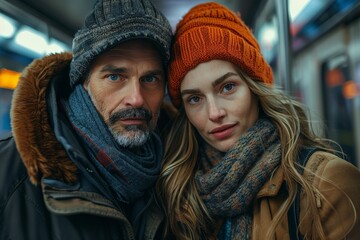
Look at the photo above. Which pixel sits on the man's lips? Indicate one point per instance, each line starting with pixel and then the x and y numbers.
pixel 130 116
pixel 223 131
pixel 133 121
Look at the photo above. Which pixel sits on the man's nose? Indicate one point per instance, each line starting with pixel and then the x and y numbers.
pixel 134 97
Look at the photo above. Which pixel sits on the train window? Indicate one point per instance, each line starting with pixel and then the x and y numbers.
pixel 324 80
pixel 311 18
pixel 268 37
pixel 302 16
pixel 267 33
pixel 338 109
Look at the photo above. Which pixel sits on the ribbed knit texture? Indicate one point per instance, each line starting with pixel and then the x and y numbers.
pixel 116 21
pixel 228 183
pixel 211 31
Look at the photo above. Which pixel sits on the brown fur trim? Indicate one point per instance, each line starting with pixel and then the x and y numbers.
pixel 42 154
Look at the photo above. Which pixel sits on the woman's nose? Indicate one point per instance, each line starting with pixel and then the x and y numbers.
pixel 216 112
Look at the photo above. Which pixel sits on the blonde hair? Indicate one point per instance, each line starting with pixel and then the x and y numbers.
pixel 186 214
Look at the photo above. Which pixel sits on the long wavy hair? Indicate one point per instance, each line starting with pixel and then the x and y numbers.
pixel 187 216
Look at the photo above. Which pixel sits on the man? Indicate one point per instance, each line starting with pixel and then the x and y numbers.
pixel 85 153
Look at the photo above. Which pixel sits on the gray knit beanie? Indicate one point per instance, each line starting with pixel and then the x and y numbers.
pixel 113 22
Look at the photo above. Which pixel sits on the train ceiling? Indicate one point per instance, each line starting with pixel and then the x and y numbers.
pixel 68 15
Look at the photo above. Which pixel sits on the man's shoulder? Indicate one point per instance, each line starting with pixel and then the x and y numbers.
pixel 10 159
pixel 12 171
pixel 5 136
pixel 7 147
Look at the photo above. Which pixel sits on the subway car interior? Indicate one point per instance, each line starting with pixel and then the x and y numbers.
pixel 312 46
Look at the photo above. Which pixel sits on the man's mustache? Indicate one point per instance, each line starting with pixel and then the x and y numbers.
pixel 130 113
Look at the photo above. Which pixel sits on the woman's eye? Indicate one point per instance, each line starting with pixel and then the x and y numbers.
pixel 113 77
pixel 193 99
pixel 228 87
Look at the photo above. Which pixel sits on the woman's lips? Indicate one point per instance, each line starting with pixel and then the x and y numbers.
pixel 223 131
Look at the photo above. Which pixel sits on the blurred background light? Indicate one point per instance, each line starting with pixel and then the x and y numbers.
pixel 296 7
pixel 56 46
pixel 7 26
pixel 31 39
pixel 8 78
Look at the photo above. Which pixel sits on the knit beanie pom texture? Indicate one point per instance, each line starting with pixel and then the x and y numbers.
pixel 211 31
pixel 115 21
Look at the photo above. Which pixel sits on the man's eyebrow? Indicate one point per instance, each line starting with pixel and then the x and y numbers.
pixel 154 72
pixel 223 78
pixel 113 69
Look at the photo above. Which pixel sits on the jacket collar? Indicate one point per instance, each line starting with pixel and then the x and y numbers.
pixel 272 187
pixel 41 153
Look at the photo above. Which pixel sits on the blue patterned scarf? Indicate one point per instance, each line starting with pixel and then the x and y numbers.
pixel 129 172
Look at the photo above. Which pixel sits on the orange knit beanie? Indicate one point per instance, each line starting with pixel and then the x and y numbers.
pixel 211 31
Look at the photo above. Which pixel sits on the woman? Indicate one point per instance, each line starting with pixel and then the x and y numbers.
pixel 233 156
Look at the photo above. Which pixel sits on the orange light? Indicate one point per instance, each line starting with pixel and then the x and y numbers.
pixel 8 78
pixel 351 89
pixel 334 78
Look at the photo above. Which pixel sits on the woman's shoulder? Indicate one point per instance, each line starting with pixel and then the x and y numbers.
pixel 325 164
pixel 338 199
pixel 327 170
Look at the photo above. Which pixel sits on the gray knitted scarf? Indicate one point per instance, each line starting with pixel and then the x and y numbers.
pixel 129 172
pixel 228 182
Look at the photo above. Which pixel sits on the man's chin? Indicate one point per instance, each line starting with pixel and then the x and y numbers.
pixel 132 138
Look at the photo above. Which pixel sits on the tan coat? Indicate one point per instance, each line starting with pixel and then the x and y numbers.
pixel 340 217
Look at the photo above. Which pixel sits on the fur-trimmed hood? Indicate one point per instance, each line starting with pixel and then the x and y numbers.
pixel 42 154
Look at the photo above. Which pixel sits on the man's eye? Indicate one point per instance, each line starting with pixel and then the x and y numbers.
pixel 228 87
pixel 149 79
pixel 113 77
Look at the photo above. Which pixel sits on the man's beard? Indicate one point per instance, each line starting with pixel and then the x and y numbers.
pixel 131 135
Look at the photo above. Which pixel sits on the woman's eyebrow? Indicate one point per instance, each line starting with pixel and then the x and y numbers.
pixel 223 78
pixel 190 91
pixel 214 83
